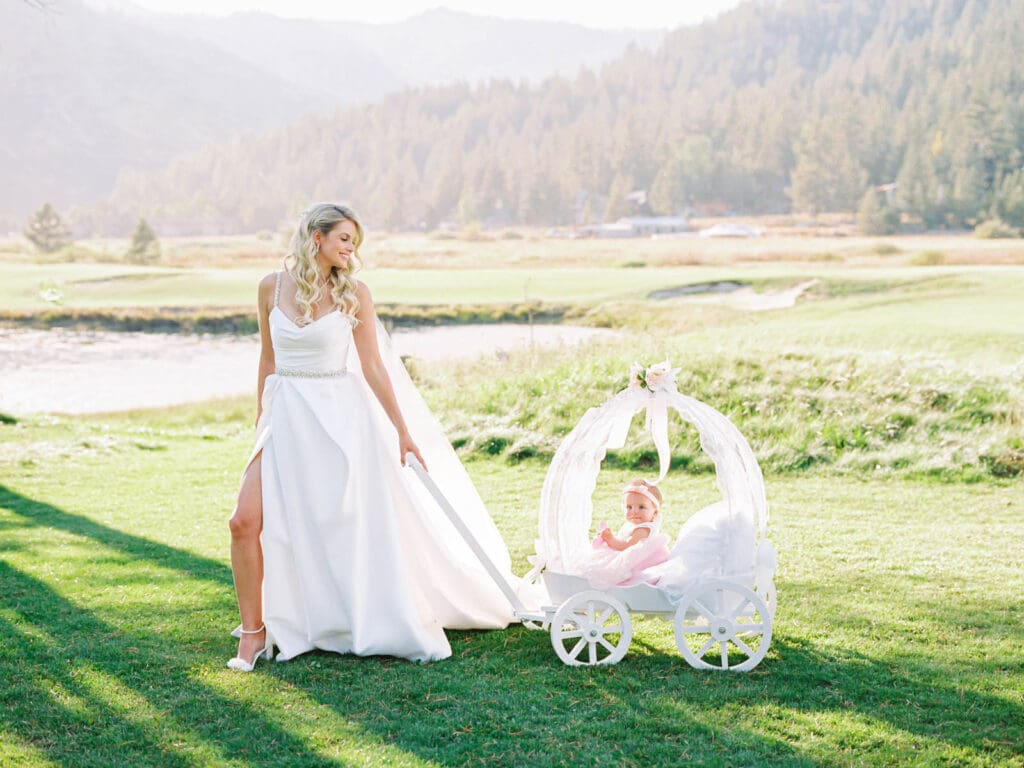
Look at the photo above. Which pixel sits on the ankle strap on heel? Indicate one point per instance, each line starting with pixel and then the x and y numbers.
pixel 253 631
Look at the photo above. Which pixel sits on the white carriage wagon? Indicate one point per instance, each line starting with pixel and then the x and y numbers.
pixel 717 588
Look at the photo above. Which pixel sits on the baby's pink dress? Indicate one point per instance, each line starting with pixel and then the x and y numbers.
pixel 608 567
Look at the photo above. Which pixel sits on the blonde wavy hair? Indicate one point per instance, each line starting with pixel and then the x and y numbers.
pixel 301 263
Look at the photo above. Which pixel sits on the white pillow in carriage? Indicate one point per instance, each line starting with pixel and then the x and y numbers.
pixel 701 540
pixel 704 547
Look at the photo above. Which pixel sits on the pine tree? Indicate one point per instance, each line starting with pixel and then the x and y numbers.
pixel 922 191
pixel 468 208
pixel 145 246
pixel 668 191
pixel 686 178
pixel 1009 199
pixel 875 216
pixel 46 231
pixel 826 175
pixel 618 202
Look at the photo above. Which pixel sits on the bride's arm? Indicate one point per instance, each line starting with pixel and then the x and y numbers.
pixel 365 336
pixel 266 367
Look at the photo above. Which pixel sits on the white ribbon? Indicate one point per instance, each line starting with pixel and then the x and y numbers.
pixel 657 424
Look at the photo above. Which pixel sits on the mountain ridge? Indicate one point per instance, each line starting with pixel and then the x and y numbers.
pixel 771 107
pixel 99 91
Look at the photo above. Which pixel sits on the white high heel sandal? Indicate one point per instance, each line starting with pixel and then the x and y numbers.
pixel 238 664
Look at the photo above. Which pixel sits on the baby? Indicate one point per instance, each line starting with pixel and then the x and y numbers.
pixel 641 502
pixel 618 558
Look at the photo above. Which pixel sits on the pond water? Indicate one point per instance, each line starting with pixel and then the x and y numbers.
pixel 64 371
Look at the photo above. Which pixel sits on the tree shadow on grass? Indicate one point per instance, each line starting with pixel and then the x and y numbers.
pixel 505 699
pixel 505 695
pixel 409 707
pixel 41 514
pixel 81 692
pixel 502 699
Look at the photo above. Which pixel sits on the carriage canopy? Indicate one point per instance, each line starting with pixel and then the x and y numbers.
pixel 566 500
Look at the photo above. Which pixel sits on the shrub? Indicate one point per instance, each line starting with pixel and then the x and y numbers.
pixel 1009 464
pixel 886 249
pixel 875 216
pixel 929 259
pixel 75 252
pixel 994 229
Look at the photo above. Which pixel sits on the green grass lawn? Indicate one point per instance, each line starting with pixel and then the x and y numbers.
pixel 99 286
pixel 223 272
pixel 529 248
pixel 897 640
pixel 887 409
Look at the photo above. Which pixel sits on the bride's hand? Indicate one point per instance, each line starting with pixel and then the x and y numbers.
pixel 406 445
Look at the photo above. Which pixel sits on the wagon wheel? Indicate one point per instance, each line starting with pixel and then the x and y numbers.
pixel 725 620
pixel 591 628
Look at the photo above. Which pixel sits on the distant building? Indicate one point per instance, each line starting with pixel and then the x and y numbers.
pixel 731 230
pixel 889 190
pixel 637 226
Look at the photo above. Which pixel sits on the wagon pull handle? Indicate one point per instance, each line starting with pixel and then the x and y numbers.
pixel 466 534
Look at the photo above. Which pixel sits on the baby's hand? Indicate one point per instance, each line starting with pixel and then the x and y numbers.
pixel 606 534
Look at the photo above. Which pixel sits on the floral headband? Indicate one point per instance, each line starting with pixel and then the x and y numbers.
pixel 642 490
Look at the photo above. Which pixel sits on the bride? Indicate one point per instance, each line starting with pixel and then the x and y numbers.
pixel 333 544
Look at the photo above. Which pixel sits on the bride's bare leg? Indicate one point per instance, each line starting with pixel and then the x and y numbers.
pixel 247 557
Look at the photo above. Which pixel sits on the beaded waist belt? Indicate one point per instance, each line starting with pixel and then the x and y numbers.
pixel 306 373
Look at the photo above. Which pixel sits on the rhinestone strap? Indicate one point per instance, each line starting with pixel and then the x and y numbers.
pixel 305 373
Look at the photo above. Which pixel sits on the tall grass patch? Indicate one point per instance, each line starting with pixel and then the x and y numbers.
pixel 871 413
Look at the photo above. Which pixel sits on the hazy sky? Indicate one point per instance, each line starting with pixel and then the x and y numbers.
pixel 642 13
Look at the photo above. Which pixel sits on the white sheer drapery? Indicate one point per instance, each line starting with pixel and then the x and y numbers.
pixel 566 499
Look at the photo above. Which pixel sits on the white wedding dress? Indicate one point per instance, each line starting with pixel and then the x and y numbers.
pixel 358 558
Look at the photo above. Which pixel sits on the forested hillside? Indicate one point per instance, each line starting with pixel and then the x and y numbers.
pixel 85 93
pixel 800 105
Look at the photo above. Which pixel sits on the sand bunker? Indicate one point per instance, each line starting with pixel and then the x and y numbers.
pixel 735 294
